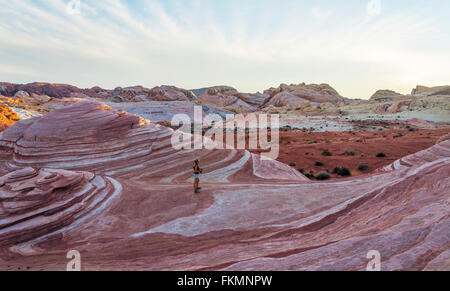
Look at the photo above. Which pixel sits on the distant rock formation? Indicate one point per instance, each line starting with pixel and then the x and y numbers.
pixel 430 91
pixel 285 99
pixel 293 95
pixel 228 97
pixel 140 94
pixel 386 95
pixel 129 94
pixel 52 90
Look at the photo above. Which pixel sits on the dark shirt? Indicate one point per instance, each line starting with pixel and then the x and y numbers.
pixel 196 169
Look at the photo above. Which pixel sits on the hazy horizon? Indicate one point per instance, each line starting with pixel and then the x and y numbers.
pixel 357 47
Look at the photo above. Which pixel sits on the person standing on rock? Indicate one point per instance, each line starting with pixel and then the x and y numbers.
pixel 197 172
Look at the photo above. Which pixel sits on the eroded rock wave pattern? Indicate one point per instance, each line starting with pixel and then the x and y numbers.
pixel 89 136
pixel 109 185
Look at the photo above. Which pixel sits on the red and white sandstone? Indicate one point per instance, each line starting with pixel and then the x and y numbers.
pixel 109 184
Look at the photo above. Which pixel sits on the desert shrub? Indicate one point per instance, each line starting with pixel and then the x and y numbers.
pixel 319 164
pixel 381 155
pixel 301 170
pixel 326 154
pixel 341 171
pixel 323 176
pixel 363 167
pixel 310 175
pixel 349 153
pixel 292 164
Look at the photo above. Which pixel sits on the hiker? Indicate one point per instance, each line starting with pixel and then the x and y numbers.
pixel 197 172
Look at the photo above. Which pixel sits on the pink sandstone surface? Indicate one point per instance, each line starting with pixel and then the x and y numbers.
pixel 108 184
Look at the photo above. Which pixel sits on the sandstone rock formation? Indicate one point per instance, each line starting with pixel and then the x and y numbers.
pixel 37 203
pixel 140 94
pixel 386 95
pixel 129 94
pixel 89 178
pixel 52 90
pixel 285 99
pixel 293 95
pixel 228 97
pixel 430 91
pixel 118 144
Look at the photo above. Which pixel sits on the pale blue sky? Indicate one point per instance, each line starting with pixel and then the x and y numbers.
pixel 248 44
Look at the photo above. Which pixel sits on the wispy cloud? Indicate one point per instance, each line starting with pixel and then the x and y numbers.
pixel 320 13
pixel 251 46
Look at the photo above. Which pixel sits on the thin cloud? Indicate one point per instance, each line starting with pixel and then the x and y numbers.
pixel 320 13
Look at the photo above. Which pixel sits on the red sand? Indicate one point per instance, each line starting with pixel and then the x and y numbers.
pixel 300 148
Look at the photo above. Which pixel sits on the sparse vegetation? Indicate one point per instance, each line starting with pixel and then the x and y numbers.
pixel 310 175
pixel 318 164
pixel 341 171
pixel 327 154
pixel 323 176
pixel 363 167
pixel 349 153
pixel 292 164
pixel 381 155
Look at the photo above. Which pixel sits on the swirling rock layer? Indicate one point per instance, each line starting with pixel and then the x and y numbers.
pixel 251 214
pixel 35 203
pixel 89 136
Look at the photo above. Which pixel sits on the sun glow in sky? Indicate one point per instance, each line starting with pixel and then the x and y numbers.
pixel 356 46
